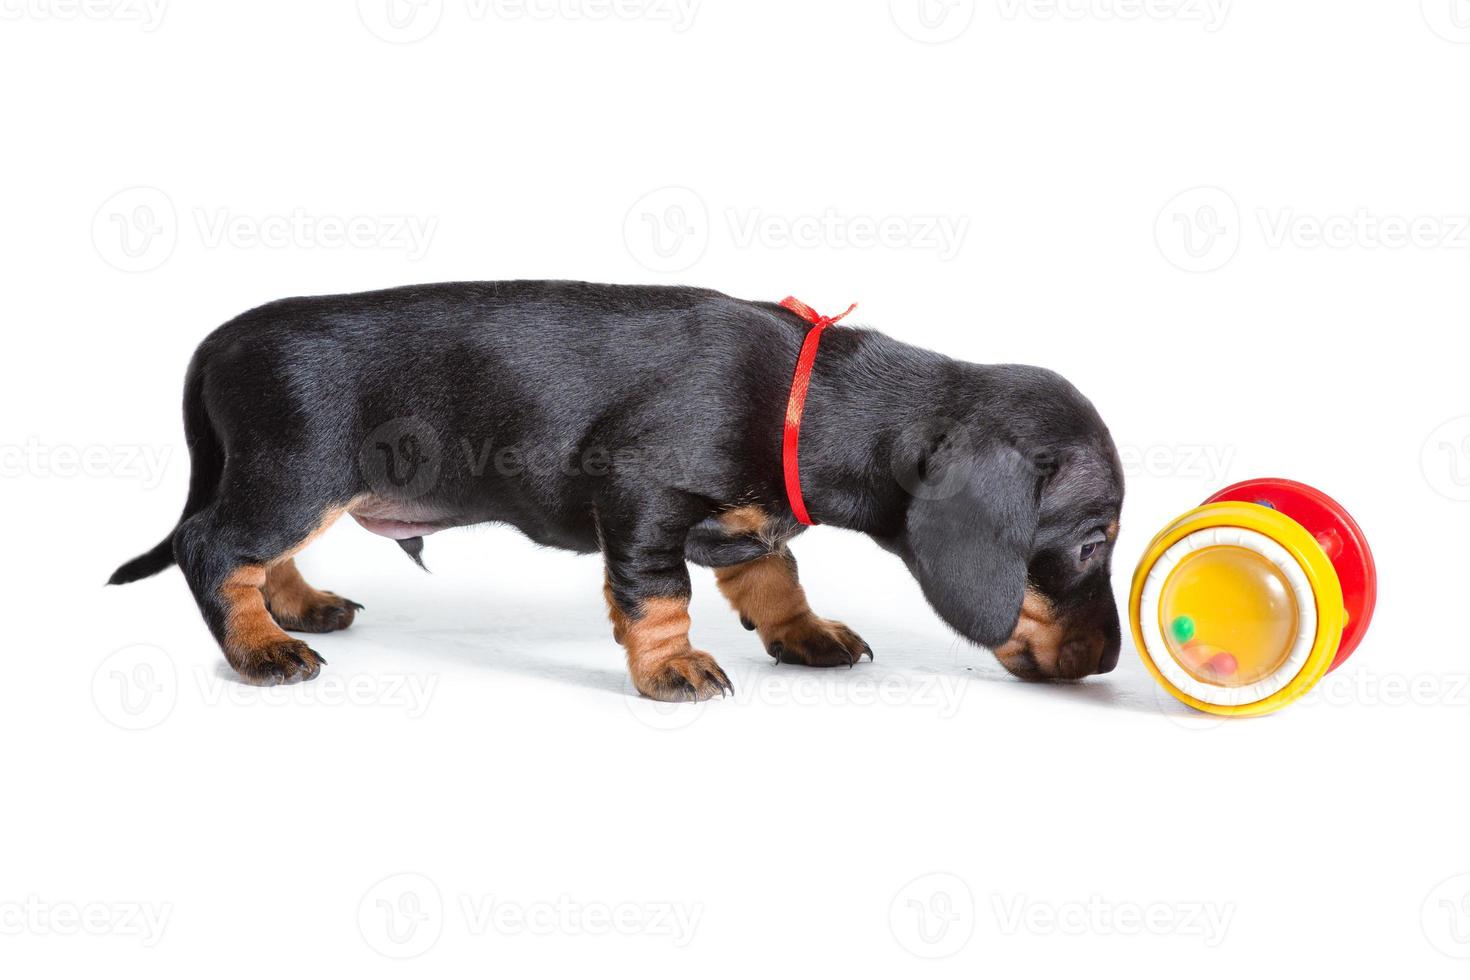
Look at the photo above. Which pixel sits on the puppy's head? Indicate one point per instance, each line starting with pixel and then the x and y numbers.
pixel 1011 537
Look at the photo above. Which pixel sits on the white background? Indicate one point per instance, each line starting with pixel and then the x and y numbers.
pixel 1207 215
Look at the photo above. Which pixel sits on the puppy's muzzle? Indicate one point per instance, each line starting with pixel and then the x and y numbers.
pixel 1047 646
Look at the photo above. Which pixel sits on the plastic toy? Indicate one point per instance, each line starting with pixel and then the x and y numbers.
pixel 1242 605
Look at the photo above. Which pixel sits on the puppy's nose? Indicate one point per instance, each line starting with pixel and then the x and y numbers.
pixel 1085 655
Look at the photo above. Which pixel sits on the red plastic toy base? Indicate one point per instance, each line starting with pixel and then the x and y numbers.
pixel 1339 536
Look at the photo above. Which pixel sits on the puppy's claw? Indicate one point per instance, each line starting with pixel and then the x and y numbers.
pixel 819 643
pixel 691 676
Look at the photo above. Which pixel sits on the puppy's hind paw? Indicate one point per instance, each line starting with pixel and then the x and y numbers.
pixel 816 642
pixel 278 662
pixel 320 612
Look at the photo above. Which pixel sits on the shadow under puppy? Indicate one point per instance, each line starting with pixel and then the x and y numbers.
pixel 645 423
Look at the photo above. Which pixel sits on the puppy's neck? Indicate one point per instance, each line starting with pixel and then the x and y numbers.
pixel 874 406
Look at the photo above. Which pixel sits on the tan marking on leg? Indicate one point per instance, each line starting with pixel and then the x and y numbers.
pixel 744 520
pixel 663 663
pixel 298 606
pixel 1036 642
pixel 764 591
pixel 660 631
pixel 248 624
pixel 254 644
pixel 767 593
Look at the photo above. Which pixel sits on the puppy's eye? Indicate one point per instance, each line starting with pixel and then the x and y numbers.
pixel 1095 540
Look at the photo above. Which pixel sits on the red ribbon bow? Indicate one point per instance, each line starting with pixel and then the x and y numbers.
pixel 796 403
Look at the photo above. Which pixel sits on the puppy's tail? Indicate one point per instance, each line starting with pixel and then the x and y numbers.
pixel 206 463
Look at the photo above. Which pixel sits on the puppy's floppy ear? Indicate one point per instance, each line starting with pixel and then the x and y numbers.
pixel 969 535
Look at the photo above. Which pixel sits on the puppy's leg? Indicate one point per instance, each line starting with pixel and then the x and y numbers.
pixel 770 599
pixel 647 592
pixel 228 552
pixel 297 606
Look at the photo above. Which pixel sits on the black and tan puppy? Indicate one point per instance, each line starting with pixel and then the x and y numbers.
pixel 644 423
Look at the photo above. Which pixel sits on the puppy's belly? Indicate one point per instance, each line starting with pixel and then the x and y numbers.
pixel 397 530
pixel 401 520
pixel 397 520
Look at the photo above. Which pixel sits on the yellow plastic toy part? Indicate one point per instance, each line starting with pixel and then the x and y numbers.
pixel 1236 609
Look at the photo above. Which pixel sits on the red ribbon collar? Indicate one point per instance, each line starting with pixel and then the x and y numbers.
pixel 796 403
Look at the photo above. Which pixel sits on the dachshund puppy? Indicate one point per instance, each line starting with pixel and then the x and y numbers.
pixel 644 423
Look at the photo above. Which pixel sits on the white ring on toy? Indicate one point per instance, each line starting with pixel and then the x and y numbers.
pixel 1153 635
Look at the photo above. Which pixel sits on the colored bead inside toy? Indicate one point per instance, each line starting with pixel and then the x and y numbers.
pixel 1228 616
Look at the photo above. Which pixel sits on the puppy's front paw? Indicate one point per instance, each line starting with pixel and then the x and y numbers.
pixel 689 676
pixel 816 642
pixel 277 662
